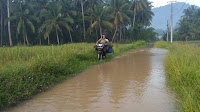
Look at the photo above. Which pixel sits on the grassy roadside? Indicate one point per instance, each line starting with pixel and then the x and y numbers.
pixel 183 74
pixel 161 44
pixel 26 71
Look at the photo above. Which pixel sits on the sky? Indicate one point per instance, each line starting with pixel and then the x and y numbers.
pixel 158 3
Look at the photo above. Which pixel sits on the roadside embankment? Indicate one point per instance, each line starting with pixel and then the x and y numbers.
pixel 26 71
pixel 183 73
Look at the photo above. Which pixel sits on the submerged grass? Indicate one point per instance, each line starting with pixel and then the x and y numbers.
pixel 26 71
pixel 183 74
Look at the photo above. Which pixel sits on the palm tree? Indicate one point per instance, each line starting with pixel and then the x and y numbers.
pixel 185 29
pixel 118 14
pixel 9 31
pixel 100 20
pixel 38 7
pixel 21 14
pixel 69 12
pixel 190 12
pixel 189 24
pixel 144 16
pixel 136 6
pixel 100 11
pixel 90 7
pixel 2 10
pixel 83 18
pixel 54 20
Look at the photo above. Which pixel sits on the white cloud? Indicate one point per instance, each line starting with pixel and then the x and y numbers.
pixel 158 3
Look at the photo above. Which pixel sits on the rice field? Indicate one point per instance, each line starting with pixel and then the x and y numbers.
pixel 26 71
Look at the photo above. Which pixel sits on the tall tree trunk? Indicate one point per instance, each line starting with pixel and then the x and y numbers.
pixel 4 29
pixel 9 32
pixel 83 20
pixel 134 20
pixel 1 22
pixel 19 43
pixel 62 41
pixel 124 33
pixel 142 17
pixel 24 34
pixel 114 34
pixel 27 40
pixel 117 37
pixel 96 33
pixel 57 37
pixel 40 41
pixel 90 25
pixel 120 37
pixel 100 29
pixel 48 40
pixel 70 36
pixel 24 40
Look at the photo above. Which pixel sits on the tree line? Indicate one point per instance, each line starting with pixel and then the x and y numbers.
pixel 189 25
pixel 33 22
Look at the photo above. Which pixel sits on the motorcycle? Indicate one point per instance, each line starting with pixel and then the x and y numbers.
pixel 101 51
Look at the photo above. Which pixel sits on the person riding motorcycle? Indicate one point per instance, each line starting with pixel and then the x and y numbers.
pixel 103 41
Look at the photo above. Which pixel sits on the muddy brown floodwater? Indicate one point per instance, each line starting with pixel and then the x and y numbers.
pixel 134 82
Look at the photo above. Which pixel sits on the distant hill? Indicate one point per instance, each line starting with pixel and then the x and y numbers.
pixel 162 14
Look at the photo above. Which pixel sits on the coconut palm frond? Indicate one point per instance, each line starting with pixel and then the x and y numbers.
pixel 74 13
pixel 124 6
pixel 120 17
pixel 58 27
pixel 66 25
pixel 87 18
pixel 116 20
pixel 49 28
pixel 19 26
pixel 31 25
pixel 108 25
pixel 46 34
pixel 92 26
pixel 68 19
pixel 126 17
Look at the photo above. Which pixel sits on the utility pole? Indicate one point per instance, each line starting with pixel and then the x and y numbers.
pixel 167 32
pixel 172 20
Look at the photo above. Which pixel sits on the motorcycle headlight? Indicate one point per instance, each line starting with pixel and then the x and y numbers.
pixel 100 45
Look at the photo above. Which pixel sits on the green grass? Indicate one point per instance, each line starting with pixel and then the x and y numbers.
pixel 26 71
pixel 161 44
pixel 183 74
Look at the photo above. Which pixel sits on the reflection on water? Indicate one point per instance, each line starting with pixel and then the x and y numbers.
pixel 134 82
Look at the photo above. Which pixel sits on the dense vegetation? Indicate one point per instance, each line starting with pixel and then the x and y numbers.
pixel 183 74
pixel 29 70
pixel 34 22
pixel 188 26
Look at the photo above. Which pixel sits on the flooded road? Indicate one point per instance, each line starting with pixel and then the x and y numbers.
pixel 134 82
